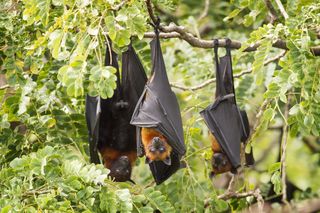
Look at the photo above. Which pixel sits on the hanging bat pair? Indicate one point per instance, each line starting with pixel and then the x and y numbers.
pixel 140 119
pixel 108 120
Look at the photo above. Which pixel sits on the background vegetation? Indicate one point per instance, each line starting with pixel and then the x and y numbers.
pixel 51 55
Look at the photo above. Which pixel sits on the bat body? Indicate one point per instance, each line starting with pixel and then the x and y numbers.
pixel 219 161
pixel 158 107
pixel 223 117
pixel 108 120
pixel 155 145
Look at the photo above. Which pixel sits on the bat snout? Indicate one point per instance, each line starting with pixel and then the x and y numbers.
pixel 121 169
pixel 157 146
pixel 219 160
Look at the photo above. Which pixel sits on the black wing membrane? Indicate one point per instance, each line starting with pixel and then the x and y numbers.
pixel 110 125
pixel 224 119
pixel 158 108
pixel 92 117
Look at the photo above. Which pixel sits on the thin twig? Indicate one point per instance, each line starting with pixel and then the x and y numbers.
pixel 282 10
pixel 4 87
pixel 166 13
pixel 283 151
pixel 205 10
pixel 211 80
pixel 272 11
pixel 120 5
pixel 231 183
pixel 229 195
pixel 262 108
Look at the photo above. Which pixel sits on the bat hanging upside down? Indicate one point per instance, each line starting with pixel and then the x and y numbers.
pixel 220 162
pixel 156 146
pixel 119 163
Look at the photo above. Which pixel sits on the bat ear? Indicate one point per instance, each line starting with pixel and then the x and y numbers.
pixel 131 181
pixel 148 160
pixel 167 161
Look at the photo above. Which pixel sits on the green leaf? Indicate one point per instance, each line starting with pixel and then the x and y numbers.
pixel 108 201
pixel 294 110
pixel 158 200
pixel 274 167
pixel 220 205
pixel 125 200
pixel 268 114
pixel 103 81
pixel 276 181
pixel 273 91
pixel 308 120
pixel 54 44
pixel 233 14
pixel 261 54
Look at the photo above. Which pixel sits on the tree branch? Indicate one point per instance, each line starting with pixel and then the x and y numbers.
pixel 283 151
pixel 120 5
pixel 209 81
pixel 272 11
pixel 262 108
pixel 230 195
pixel 282 10
pixel 182 33
pixel 4 86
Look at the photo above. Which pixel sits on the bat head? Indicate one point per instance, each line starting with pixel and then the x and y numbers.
pixel 120 169
pixel 220 164
pixel 159 151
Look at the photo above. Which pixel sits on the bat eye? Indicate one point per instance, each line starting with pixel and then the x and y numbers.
pixel 152 149
pixel 117 170
pixel 161 149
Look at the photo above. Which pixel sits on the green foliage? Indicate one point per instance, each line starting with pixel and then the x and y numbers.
pixel 51 55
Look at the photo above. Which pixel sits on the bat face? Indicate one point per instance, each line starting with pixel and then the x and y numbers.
pixel 119 163
pixel 220 164
pixel 156 146
pixel 121 169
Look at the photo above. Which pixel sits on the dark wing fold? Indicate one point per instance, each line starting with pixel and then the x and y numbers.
pixel 92 118
pixel 224 119
pixel 158 108
pixel 161 172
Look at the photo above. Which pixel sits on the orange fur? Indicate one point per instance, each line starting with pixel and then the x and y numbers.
pixel 216 148
pixel 147 134
pixel 109 155
pixel 214 143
